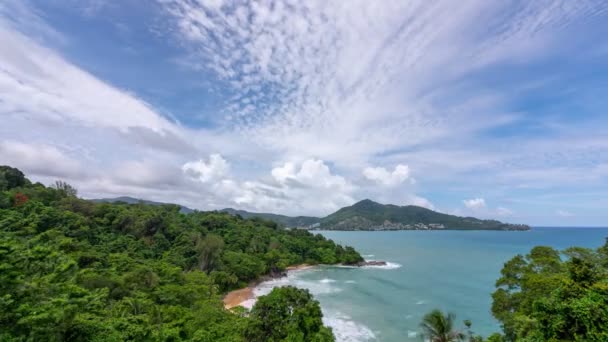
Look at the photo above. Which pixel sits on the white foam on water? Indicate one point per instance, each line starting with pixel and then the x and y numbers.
pixel 409 316
pixel 411 334
pixel 388 266
pixel 347 330
pixel 327 281
pixel 350 282
pixel 323 286
pixel 368 255
pixel 420 302
pixel 344 327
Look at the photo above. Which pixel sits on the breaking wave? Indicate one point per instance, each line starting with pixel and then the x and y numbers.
pixel 344 327
pixel 388 266
pixel 347 330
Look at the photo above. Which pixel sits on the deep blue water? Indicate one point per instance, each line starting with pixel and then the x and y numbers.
pixel 451 270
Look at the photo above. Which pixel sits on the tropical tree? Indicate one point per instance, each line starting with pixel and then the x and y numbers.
pixel 66 188
pixel 439 327
pixel 287 314
pixel 209 249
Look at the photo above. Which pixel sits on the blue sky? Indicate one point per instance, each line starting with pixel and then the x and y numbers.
pixel 490 109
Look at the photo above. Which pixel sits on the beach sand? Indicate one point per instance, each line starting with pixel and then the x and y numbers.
pixel 299 267
pixel 237 297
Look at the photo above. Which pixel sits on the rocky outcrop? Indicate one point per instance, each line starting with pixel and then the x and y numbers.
pixel 371 263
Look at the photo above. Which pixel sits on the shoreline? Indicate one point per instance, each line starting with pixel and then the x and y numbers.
pixel 237 297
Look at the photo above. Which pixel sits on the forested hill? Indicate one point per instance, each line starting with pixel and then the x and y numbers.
pixel 369 215
pixel 72 269
pixel 132 200
pixel 285 221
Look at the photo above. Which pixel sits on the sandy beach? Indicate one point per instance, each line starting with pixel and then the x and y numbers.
pixel 237 297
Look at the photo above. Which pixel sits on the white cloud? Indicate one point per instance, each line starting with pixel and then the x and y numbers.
pixel 207 171
pixel 382 176
pixel 38 83
pixel 564 213
pixel 316 78
pixel 420 201
pixel 312 173
pixel 314 83
pixel 39 159
pixel 502 211
pixel 308 187
pixel 475 203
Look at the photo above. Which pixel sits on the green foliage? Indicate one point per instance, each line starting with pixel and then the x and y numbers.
pixel 544 297
pixel 280 220
pixel 287 314
pixel 75 270
pixel 66 189
pixel 11 178
pixel 439 327
pixel 368 214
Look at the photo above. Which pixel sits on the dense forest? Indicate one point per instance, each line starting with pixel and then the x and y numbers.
pixel 75 270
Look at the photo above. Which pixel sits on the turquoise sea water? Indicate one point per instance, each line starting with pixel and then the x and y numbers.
pixel 451 270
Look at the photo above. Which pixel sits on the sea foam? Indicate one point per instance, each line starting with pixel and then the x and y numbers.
pixel 327 281
pixel 347 330
pixel 344 327
pixel 389 266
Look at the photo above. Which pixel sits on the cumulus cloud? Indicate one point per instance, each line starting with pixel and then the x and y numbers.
pixel 308 187
pixel 215 168
pixel 475 203
pixel 312 173
pixel 420 201
pixel 382 176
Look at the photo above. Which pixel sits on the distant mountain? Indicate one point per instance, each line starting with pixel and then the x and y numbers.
pixel 132 200
pixel 369 215
pixel 282 220
pixel 363 215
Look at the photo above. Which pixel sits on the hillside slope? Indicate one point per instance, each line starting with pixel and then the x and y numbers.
pixel 369 215
pixel 282 220
pixel 132 200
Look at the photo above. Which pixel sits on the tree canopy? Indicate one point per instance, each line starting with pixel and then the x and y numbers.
pixel 71 269
pixel 287 314
pixel 551 296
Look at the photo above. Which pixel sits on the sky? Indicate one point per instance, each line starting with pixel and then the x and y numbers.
pixel 494 109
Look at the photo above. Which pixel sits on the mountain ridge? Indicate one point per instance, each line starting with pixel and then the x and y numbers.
pixel 363 215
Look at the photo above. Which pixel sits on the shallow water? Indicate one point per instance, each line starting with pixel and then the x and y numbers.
pixel 451 270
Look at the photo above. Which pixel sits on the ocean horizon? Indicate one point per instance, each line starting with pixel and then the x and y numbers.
pixel 451 270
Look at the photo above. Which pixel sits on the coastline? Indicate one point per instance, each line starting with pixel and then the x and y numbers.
pixel 237 297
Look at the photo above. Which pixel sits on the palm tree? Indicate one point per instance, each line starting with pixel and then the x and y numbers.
pixel 439 327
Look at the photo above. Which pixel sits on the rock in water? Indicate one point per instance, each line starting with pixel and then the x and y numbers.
pixel 371 263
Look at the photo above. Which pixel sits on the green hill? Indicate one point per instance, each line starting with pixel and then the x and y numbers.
pixel 132 200
pixel 369 215
pixel 282 220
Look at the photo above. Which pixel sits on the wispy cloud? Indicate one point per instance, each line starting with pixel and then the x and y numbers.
pixel 318 104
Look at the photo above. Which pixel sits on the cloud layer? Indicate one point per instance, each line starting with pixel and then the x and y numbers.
pixel 303 107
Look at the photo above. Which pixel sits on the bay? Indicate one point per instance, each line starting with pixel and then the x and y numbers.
pixel 450 270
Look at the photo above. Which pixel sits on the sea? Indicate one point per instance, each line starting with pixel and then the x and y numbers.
pixel 454 271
